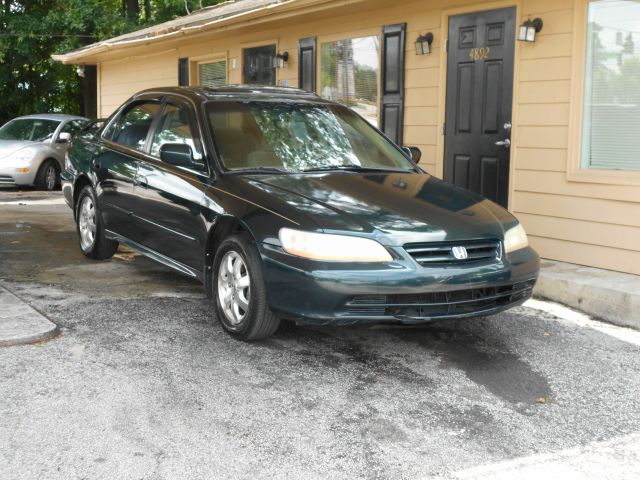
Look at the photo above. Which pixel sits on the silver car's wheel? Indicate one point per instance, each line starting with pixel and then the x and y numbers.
pixel 234 287
pixel 87 223
pixel 50 177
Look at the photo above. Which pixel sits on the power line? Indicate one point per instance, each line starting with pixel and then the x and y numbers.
pixel 45 35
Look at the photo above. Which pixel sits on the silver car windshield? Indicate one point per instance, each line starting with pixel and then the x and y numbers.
pixel 298 137
pixel 29 129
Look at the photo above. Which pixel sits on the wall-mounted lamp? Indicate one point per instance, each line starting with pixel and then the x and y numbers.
pixel 423 44
pixel 280 59
pixel 80 71
pixel 528 30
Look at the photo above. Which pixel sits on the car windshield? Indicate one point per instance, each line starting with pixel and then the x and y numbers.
pixel 298 137
pixel 29 129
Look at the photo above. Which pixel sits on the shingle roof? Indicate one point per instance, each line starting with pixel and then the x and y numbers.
pixel 196 20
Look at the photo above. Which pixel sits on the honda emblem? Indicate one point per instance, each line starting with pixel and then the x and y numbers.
pixel 460 253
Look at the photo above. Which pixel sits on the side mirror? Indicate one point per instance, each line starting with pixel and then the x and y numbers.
pixel 178 154
pixel 413 153
pixel 64 137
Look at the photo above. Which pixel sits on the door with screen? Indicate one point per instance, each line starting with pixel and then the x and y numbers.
pixel 479 102
pixel 258 65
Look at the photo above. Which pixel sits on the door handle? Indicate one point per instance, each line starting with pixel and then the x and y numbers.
pixel 506 143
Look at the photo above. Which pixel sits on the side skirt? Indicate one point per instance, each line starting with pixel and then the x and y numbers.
pixel 158 257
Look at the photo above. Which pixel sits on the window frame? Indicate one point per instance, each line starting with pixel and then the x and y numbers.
pixel 575 171
pixel 213 59
pixel 369 32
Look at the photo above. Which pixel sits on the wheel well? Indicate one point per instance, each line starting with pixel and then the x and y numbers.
pixel 80 183
pixel 224 227
pixel 48 159
pixel 51 159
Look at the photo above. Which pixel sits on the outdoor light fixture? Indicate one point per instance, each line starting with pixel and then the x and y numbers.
pixel 528 30
pixel 280 59
pixel 423 44
pixel 80 70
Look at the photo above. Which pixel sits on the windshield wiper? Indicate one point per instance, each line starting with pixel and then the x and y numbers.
pixel 259 170
pixel 354 168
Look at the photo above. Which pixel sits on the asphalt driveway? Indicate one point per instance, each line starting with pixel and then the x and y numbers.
pixel 139 384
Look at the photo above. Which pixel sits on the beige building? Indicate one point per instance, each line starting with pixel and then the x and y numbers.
pixel 558 79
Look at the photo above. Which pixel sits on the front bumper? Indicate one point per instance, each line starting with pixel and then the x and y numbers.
pixel 66 181
pixel 10 176
pixel 401 291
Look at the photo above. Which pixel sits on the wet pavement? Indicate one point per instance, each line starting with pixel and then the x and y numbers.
pixel 140 383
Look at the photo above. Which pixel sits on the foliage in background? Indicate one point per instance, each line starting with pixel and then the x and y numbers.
pixel 32 30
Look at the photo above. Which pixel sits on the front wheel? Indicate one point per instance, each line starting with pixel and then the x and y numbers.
pixel 48 177
pixel 240 292
pixel 93 241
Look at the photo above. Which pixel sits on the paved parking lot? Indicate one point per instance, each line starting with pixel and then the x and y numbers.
pixel 139 384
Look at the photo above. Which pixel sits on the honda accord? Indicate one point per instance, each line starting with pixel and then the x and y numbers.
pixel 288 206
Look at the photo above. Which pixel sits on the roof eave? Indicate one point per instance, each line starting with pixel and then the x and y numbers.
pixel 85 55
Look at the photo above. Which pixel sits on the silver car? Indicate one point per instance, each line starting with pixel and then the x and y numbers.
pixel 32 149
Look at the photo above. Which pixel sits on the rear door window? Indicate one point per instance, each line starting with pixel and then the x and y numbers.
pixel 132 126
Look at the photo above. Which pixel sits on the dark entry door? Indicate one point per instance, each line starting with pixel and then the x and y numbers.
pixel 258 65
pixel 479 102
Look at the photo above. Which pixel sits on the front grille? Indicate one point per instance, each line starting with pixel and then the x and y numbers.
pixel 438 304
pixel 6 180
pixel 442 253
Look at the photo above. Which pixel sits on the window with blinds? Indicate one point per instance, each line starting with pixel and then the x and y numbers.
pixel 212 74
pixel 611 123
pixel 349 74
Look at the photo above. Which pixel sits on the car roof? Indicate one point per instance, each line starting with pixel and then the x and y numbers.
pixel 53 116
pixel 237 92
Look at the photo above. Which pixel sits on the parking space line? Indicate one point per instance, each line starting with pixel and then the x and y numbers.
pixel 618 458
pixel 628 335
pixel 53 201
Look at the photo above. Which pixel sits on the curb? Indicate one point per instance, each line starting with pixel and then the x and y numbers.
pixel 20 323
pixel 609 296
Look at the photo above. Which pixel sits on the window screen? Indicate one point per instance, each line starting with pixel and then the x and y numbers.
pixel 213 74
pixel 349 74
pixel 611 124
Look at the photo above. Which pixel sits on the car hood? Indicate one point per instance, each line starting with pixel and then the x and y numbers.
pixel 7 147
pixel 395 208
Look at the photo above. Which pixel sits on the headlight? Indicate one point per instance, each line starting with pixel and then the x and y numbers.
pixel 515 238
pixel 332 248
pixel 24 155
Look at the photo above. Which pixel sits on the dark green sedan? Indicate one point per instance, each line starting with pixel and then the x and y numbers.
pixel 288 206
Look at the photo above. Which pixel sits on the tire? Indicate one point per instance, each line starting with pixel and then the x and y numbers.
pixel 48 177
pixel 240 295
pixel 90 228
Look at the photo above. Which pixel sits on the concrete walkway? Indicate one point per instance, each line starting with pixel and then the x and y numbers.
pixel 610 296
pixel 20 323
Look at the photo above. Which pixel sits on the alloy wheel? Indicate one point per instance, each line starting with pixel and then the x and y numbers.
pixel 87 223
pixel 234 286
pixel 50 177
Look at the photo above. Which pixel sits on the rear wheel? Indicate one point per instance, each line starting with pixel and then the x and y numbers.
pixel 93 241
pixel 240 292
pixel 48 177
